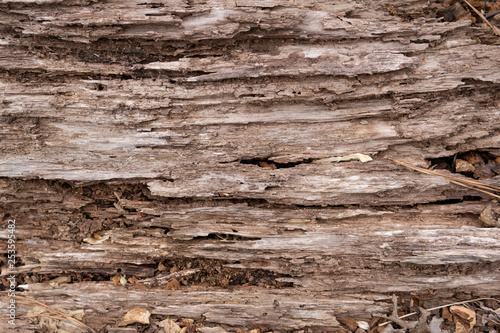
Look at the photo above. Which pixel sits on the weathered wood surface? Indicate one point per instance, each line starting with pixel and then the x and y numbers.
pixel 146 122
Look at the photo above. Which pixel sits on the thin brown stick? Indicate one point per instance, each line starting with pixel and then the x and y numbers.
pixel 476 189
pixel 496 31
pixel 466 181
pixel 474 185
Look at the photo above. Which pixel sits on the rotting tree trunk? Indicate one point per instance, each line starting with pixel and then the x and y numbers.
pixel 186 132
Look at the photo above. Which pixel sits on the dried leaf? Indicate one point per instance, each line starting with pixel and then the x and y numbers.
pixel 137 315
pixel 361 157
pixel 173 285
pixel 115 279
pixel 133 280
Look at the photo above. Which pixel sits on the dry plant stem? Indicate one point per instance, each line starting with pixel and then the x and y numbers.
pixel 496 31
pixel 486 192
pixel 461 182
pixel 440 307
pixel 48 308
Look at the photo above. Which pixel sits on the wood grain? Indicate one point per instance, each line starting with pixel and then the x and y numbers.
pixel 186 131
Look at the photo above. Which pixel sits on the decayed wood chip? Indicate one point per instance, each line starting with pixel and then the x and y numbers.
pixel 169 326
pixel 137 315
pixel 488 218
pixel 464 318
pixel 361 157
pixel 96 239
pixel 115 279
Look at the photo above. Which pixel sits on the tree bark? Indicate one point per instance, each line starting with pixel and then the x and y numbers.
pixel 142 136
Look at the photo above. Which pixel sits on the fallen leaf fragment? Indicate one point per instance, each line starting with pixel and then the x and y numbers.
pixel 464 318
pixel 115 279
pixel 137 315
pixel 169 326
pixel 361 157
pixel 173 285
pixel 133 280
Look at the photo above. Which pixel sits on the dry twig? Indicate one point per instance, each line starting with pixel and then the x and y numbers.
pixel 496 31
pixel 474 185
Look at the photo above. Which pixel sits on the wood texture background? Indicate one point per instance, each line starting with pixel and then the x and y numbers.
pixel 145 121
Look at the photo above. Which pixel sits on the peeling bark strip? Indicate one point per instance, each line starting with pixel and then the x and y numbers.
pixel 140 139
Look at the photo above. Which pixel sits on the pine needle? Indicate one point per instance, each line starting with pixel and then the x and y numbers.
pixel 496 31
pixel 52 310
pixel 471 184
